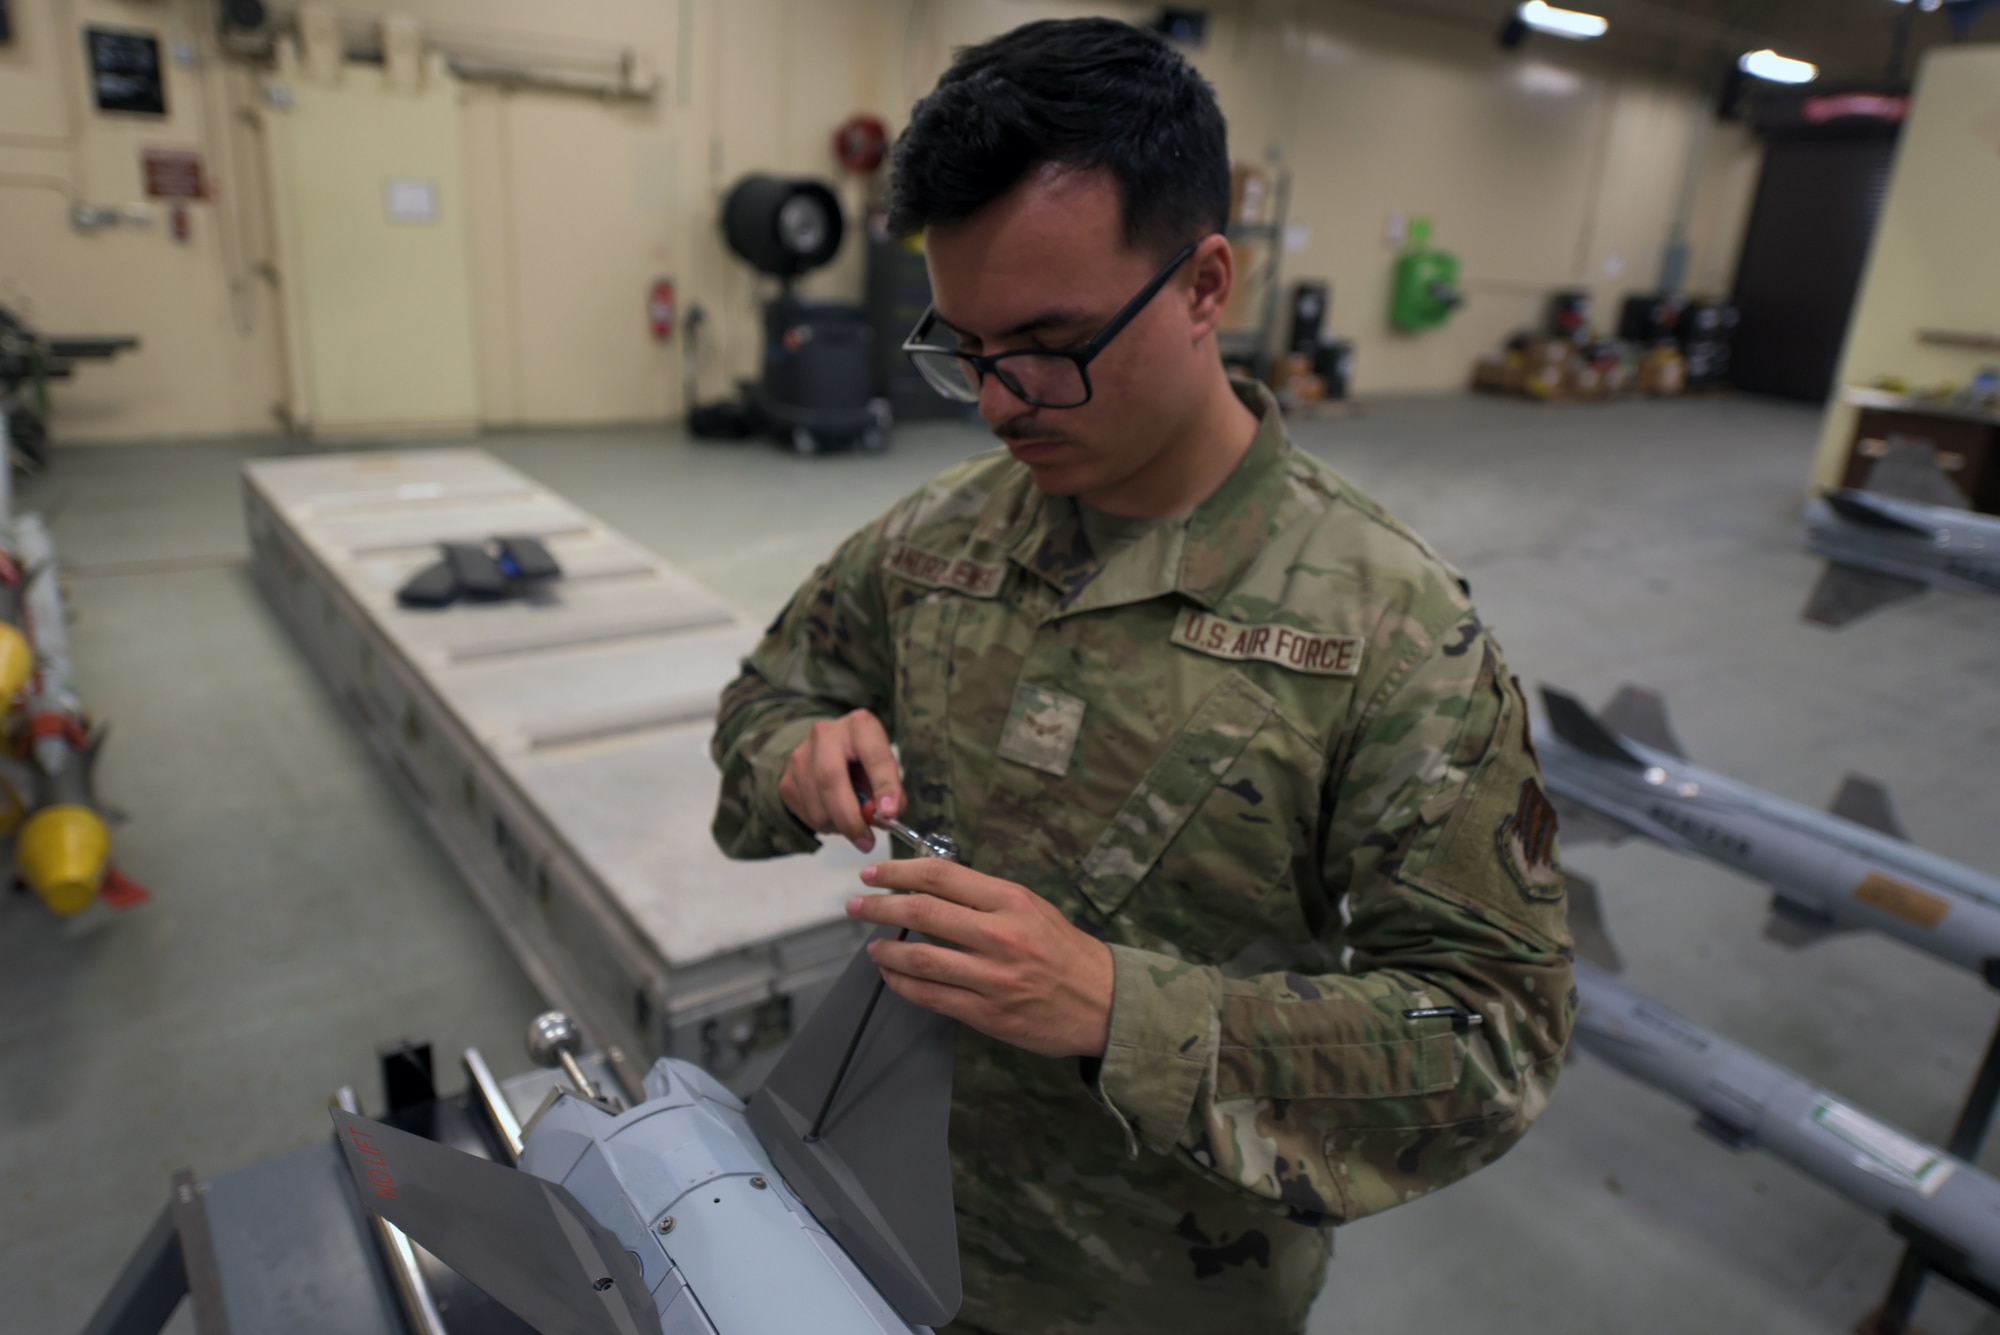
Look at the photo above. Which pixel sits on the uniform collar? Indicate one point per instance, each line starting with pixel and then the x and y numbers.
pixel 1200 556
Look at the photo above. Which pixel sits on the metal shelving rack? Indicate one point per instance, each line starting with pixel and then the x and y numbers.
pixel 1252 346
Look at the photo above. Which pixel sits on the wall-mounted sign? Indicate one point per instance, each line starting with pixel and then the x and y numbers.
pixel 173 173
pixel 1807 111
pixel 125 70
pixel 1874 106
pixel 410 199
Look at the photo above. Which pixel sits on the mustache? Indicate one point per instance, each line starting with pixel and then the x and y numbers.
pixel 1026 429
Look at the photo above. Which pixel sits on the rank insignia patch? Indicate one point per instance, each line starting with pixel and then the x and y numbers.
pixel 1041 729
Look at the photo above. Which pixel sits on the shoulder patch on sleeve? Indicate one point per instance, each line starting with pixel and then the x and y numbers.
pixel 1527 844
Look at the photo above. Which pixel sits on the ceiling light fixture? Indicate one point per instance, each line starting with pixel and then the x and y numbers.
pixel 1555 22
pixel 1768 64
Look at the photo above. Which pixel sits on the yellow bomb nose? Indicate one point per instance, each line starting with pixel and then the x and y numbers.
pixel 62 851
pixel 17 662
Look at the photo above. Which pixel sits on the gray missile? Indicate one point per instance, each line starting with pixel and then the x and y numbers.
pixel 690 1214
pixel 1883 550
pixel 1944 1205
pixel 1851 868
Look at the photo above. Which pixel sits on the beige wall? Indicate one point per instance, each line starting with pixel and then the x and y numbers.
pixel 210 363
pixel 1931 266
pixel 1540 171
pixel 378 307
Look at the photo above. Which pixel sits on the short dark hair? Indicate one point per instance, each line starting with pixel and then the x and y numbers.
pixel 1083 93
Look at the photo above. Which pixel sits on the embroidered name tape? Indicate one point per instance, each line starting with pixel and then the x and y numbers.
pixel 942 572
pixel 1301 651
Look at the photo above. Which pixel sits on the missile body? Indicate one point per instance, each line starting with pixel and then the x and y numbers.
pixel 1828 872
pixel 17 656
pixel 1749 1101
pixel 689 1214
pixel 724 1254
pixel 1884 549
pixel 63 846
pixel 666 1217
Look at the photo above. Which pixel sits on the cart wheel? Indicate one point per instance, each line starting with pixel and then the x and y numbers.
pixel 804 443
pixel 874 440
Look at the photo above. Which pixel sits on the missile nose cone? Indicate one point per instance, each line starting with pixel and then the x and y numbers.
pixel 62 852
pixel 17 661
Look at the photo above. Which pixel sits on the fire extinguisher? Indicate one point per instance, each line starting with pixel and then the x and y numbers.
pixel 660 309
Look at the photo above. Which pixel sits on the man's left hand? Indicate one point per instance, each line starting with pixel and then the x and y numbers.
pixel 1022 974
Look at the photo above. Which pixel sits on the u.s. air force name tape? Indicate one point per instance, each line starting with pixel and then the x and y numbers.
pixel 1301 651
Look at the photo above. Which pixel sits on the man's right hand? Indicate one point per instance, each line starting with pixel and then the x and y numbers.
pixel 837 758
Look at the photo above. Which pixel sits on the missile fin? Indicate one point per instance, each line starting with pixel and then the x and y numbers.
pixel 1726 1132
pixel 878 1178
pixel 1641 714
pixel 120 891
pixel 1586 924
pixel 1575 724
pixel 1910 472
pixel 1795 925
pixel 1866 802
pixel 1847 593
pixel 93 741
pixel 17 793
pixel 526 1241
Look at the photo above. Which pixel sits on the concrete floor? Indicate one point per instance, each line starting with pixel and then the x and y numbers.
pixel 301 917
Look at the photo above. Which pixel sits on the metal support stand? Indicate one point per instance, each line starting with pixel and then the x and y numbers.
pixel 175 1261
pixel 1926 1256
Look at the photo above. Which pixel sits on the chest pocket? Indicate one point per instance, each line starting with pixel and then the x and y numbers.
pixel 1177 786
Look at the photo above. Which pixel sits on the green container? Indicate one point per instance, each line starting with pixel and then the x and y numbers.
pixel 1426 288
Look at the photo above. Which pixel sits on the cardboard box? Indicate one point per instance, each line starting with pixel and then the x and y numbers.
pixel 1662 373
pixel 1548 368
pixel 1547 382
pixel 1245 308
pixel 1547 350
pixel 1253 195
pixel 1294 381
pixel 1499 374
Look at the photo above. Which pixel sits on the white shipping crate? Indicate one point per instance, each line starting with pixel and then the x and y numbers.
pixel 558 747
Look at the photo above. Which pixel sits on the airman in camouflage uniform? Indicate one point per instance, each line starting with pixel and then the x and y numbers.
pixel 1269 754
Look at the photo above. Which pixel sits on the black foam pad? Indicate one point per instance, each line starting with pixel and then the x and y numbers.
pixel 433 586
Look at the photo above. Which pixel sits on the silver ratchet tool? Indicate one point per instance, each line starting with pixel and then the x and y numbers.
pixel 925 845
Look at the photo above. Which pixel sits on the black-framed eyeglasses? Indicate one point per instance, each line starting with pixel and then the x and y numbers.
pixel 1041 377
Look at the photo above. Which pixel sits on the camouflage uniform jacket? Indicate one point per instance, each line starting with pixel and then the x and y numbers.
pixel 1271 756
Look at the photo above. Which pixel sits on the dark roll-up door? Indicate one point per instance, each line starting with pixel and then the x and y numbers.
pixel 1815 212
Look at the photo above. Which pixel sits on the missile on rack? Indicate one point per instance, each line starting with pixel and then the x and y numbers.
pixel 825 1206
pixel 1882 550
pixel 1945 1206
pixel 62 838
pixel 1853 867
pixel 1909 532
